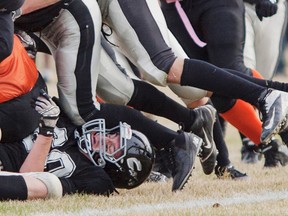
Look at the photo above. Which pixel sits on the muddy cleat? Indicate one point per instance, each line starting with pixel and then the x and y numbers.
pixel 273 106
pixel 156 177
pixel 275 153
pixel 229 172
pixel 182 155
pixel 203 127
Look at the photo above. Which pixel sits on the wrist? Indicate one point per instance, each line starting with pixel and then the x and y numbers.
pixel 46 131
pixel 45 140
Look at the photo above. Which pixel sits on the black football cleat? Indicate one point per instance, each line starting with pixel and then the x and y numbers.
pixel 203 127
pixel 182 154
pixel 248 153
pixel 275 153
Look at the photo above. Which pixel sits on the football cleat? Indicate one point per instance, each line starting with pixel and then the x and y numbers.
pixel 275 153
pixel 229 172
pixel 273 107
pixel 182 154
pixel 203 127
pixel 156 177
pixel 248 153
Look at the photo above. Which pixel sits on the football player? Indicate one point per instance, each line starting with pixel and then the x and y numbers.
pixel 19 79
pixel 103 159
pixel 92 159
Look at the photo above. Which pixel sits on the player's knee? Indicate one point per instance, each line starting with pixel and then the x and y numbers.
pixel 188 94
pixel 51 181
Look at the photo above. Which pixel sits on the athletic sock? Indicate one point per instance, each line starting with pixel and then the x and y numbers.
pixel 242 116
pixel 258 79
pixel 223 155
pixel 13 187
pixel 148 99
pixel 206 76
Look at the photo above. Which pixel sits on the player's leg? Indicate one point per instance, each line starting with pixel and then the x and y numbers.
pixel 74 41
pixel 28 186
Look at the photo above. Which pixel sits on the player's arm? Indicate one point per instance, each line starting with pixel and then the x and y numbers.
pixel 36 158
pixel 49 112
pixel 33 5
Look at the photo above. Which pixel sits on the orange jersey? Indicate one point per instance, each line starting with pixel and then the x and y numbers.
pixel 18 73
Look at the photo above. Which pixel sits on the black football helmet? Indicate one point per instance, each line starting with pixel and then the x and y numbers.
pixel 134 165
pixel 10 5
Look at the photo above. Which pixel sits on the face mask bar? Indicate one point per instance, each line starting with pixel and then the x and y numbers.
pixel 101 156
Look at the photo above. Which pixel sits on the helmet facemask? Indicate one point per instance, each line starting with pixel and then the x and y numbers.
pixel 102 155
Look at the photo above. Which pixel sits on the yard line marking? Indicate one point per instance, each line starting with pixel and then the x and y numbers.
pixel 240 198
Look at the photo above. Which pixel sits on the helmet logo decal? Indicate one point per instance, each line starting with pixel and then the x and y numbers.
pixel 131 162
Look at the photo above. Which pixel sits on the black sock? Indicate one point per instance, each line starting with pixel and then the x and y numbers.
pixel 148 99
pixel 206 76
pixel 262 82
pixel 223 155
pixel 13 188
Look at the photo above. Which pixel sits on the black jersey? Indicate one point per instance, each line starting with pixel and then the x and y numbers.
pixel 76 172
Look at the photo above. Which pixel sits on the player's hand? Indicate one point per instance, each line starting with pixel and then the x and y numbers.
pixel 266 8
pixel 49 112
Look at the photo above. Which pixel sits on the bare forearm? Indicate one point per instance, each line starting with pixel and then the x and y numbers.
pixel 36 158
pixel 33 5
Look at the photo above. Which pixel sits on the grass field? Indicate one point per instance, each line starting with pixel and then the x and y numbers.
pixel 265 192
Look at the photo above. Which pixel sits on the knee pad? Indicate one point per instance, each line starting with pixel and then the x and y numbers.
pixel 113 86
pixel 188 94
pixel 51 181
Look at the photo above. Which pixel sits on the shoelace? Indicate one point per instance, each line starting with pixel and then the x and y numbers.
pixel 171 156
